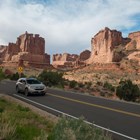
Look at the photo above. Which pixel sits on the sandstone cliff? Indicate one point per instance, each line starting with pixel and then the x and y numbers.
pixel 103 44
pixel 29 50
pixel 109 46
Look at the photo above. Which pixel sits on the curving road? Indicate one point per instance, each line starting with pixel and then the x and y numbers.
pixel 120 118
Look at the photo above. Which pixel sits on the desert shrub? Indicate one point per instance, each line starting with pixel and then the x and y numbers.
pixel 72 84
pixel 81 85
pixel 51 78
pixel 102 93
pixel 88 85
pixel 2 75
pixel 16 76
pixel 72 129
pixel 108 86
pixel 127 90
pixel 99 83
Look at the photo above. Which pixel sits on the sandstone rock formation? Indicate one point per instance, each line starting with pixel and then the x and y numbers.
pixel 2 52
pixel 103 44
pixel 70 60
pixel 66 60
pixel 109 46
pixel 29 50
pixel 84 55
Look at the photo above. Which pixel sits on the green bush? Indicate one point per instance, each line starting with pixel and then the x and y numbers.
pixel 108 86
pixel 2 75
pixel 16 76
pixel 51 78
pixel 127 90
pixel 72 84
pixel 81 85
pixel 72 129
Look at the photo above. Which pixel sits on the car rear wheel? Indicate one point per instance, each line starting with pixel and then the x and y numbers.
pixel 26 92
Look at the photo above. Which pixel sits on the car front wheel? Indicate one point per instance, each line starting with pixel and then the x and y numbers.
pixel 26 92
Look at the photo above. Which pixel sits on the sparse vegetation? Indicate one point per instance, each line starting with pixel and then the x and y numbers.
pixel 72 84
pixel 71 129
pixel 18 122
pixel 109 86
pixel 16 76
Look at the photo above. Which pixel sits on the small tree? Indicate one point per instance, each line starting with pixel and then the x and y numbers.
pixel 127 90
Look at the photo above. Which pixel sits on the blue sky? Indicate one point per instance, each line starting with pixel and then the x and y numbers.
pixel 67 25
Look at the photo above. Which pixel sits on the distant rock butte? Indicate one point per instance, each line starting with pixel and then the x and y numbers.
pixel 70 60
pixel 29 50
pixel 103 44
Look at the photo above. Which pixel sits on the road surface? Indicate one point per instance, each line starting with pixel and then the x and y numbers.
pixel 122 119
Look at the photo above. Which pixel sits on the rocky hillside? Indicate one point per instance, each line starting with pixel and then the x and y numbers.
pixel 112 58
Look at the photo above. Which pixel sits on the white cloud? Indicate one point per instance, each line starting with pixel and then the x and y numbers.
pixel 67 26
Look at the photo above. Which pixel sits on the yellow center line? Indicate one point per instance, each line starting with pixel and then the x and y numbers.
pixel 95 105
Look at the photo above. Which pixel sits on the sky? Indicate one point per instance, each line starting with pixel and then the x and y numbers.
pixel 66 25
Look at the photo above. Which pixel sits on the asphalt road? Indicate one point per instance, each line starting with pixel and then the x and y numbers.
pixel 120 118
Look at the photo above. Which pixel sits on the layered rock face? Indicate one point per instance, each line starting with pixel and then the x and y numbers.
pixel 103 44
pixel 109 46
pixel 70 60
pixel 29 50
pixel 84 55
pixel 135 41
pixel 64 59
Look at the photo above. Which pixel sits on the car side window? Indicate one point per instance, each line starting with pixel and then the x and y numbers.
pixel 20 81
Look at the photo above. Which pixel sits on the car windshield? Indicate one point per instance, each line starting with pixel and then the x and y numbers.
pixel 33 81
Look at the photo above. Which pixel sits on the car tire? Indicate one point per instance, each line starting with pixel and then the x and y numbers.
pixel 17 89
pixel 43 94
pixel 26 92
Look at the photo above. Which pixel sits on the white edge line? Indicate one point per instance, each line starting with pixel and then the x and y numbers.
pixel 77 118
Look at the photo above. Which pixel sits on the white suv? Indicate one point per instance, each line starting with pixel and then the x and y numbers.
pixel 30 86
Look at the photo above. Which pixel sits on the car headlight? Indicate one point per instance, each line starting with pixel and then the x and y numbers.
pixel 31 88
